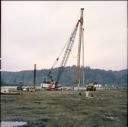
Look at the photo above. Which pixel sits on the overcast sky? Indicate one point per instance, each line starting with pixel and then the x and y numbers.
pixel 36 31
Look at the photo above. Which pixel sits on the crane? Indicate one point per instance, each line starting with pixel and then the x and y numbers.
pixel 52 83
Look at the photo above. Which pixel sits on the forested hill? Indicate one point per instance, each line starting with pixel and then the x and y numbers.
pixel 68 77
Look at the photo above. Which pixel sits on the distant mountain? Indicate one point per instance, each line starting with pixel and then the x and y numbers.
pixel 118 78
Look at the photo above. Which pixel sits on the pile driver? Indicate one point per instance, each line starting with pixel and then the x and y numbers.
pixel 53 83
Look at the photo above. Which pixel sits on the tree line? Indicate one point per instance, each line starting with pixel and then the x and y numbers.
pixel 68 78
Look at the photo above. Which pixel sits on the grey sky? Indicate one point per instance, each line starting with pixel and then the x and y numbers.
pixel 36 31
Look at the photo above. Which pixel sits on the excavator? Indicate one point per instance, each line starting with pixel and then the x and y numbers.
pixel 49 83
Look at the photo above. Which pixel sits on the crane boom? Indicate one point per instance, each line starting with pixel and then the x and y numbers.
pixel 67 53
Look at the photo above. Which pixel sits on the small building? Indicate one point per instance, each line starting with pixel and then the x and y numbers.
pixel 8 89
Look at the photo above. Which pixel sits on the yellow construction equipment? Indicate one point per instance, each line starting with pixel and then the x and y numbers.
pixel 91 87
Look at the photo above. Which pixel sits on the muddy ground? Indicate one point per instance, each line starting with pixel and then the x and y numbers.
pixel 108 108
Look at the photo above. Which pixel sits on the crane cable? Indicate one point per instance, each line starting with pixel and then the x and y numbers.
pixel 78 15
pixel 55 62
pixel 64 47
pixel 67 52
pixel 73 56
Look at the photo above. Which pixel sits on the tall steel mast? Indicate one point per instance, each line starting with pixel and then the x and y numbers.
pixel 79 47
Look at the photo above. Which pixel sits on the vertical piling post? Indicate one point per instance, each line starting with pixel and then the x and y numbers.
pixel 79 47
pixel 83 54
pixel 34 76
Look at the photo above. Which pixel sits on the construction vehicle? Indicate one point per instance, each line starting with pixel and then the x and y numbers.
pixel 91 87
pixel 50 83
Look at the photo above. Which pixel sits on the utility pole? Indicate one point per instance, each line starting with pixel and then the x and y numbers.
pixel 34 75
pixel 79 47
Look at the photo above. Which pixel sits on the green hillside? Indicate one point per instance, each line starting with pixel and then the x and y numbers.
pixel 118 78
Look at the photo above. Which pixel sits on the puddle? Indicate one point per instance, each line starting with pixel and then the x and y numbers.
pixel 12 123
pixel 112 118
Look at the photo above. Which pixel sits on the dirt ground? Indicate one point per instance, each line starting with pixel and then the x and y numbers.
pixel 108 108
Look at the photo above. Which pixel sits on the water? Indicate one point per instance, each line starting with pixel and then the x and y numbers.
pixel 8 87
pixel 12 123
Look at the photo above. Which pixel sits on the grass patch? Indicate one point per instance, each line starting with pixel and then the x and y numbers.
pixel 108 108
